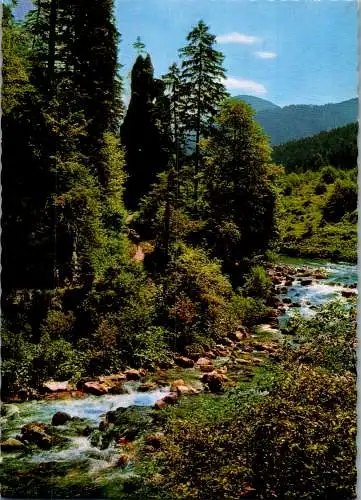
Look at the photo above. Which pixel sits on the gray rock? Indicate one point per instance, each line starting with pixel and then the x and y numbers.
pixel 60 418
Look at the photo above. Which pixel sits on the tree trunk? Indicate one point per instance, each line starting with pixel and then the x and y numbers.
pixel 198 127
pixel 167 218
pixel 52 45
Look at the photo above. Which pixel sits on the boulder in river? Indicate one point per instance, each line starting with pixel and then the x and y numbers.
pixel 27 393
pixel 129 422
pixel 348 292
pixel 215 381
pixel 160 404
pixel 147 386
pixel 175 384
pixel 123 460
pixel 204 362
pixel 60 418
pixel 133 374
pixel 53 386
pixel 111 379
pixel 117 388
pixel 95 388
pixel 37 433
pixel 9 410
pixel 241 335
pixel 11 444
pixel 181 389
pixel 155 440
pixel 87 430
pixel 306 281
pixel 206 368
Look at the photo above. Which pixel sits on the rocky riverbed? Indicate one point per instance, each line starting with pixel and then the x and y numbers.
pixel 93 430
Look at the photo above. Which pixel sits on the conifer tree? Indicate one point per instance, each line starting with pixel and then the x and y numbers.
pixel 202 74
pixel 139 46
pixel 143 132
pixel 241 201
pixel 176 97
pixel 62 162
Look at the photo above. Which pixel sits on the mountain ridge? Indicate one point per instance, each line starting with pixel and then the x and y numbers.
pixel 296 121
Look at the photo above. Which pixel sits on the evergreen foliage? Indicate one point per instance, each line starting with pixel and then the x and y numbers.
pixel 241 201
pixel 201 73
pixel 147 149
pixel 79 300
pixel 337 147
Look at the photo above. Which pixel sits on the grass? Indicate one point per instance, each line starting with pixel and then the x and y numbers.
pixel 302 229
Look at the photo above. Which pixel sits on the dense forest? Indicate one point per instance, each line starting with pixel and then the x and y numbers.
pixel 125 249
pixel 337 147
pixel 74 295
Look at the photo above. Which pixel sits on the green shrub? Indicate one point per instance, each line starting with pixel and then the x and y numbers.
pixel 297 440
pixel 258 284
pixel 329 338
pixel 115 312
pixel 303 437
pixel 57 359
pixel 342 199
pixel 328 174
pixel 250 310
pixel 320 188
pixel 196 299
pixel 17 361
pixel 58 324
pixel 287 190
pixel 152 347
pixel 294 179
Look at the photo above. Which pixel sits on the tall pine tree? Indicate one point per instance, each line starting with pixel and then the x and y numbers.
pixel 173 83
pixel 65 173
pixel 202 74
pixel 144 132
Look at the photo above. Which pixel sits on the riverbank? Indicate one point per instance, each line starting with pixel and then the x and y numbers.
pixel 90 436
pixel 299 285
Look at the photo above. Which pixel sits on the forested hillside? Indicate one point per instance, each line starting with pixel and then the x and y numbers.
pixel 318 214
pixel 337 147
pixel 318 194
pixel 284 124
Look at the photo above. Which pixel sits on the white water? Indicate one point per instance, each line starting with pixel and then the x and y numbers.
pixel 93 409
pixel 90 408
pixel 313 296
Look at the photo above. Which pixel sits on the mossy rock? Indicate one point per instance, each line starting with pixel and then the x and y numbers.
pixel 129 423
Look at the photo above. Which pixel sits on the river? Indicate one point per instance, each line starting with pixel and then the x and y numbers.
pixel 91 409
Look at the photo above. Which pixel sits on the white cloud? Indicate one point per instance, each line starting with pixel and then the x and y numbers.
pixel 266 55
pixel 245 85
pixel 237 38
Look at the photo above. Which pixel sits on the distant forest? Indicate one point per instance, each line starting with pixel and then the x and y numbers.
pixel 337 147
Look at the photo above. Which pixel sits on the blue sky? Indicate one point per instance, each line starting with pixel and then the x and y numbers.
pixel 289 52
